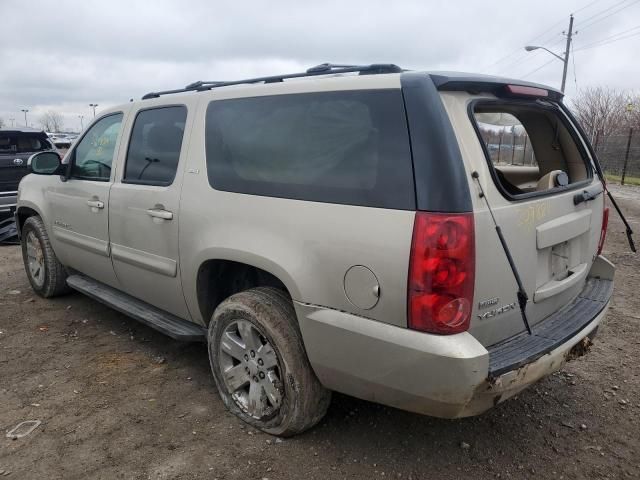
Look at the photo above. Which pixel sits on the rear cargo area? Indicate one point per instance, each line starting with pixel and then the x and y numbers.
pixel 531 164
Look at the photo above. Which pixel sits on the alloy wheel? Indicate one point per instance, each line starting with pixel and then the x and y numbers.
pixel 35 259
pixel 251 370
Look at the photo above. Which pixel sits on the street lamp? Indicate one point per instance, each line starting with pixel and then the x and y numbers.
pixel 564 59
pixel 81 117
pixel 12 120
pixel 25 116
pixel 530 48
pixel 93 105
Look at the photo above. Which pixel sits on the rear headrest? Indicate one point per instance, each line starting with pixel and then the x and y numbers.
pixel 165 137
pixel 555 178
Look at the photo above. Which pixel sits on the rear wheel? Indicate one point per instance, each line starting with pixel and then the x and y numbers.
pixel 260 365
pixel 45 273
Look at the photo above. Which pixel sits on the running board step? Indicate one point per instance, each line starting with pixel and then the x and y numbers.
pixel 151 316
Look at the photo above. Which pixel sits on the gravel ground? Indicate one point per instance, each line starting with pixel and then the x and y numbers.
pixel 118 400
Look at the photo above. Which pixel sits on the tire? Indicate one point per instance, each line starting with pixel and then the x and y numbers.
pixel 269 314
pixel 50 279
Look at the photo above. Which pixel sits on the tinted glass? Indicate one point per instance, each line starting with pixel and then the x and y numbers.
pixel 23 143
pixel 93 155
pixel 347 147
pixel 154 149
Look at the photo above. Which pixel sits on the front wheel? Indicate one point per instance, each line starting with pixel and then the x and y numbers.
pixel 260 366
pixel 46 274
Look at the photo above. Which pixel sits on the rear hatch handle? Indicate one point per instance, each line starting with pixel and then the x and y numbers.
pixel 587 195
pixel 523 298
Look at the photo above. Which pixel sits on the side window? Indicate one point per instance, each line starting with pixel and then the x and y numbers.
pixel 93 156
pixel 23 143
pixel 349 147
pixel 154 147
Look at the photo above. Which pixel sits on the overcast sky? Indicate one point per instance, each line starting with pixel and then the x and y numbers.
pixel 63 55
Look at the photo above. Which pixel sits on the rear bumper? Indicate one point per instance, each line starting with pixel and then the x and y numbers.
pixel 498 387
pixel 444 376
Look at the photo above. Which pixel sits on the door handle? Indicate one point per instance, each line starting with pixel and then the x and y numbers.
pixel 159 213
pixel 95 203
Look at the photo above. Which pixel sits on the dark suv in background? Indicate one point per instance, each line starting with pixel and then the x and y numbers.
pixel 16 146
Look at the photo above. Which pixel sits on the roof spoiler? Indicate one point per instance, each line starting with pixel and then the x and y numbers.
pixel 501 87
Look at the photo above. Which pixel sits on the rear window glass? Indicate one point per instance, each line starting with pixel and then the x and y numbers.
pixel 347 147
pixel 530 147
pixel 23 143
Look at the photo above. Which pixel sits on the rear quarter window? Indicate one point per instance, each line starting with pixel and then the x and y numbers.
pixel 348 147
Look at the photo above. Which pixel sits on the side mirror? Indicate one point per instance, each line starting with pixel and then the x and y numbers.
pixel 45 163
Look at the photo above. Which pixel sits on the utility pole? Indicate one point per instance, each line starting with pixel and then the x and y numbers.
pixel 566 53
pixel 565 60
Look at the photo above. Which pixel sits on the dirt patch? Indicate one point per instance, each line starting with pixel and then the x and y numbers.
pixel 118 400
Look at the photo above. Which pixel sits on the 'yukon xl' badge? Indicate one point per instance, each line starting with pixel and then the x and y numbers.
pixel 497 311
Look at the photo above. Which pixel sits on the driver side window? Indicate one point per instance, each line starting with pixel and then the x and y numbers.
pixel 93 156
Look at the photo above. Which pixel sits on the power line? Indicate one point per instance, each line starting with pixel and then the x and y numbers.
pixel 589 45
pixel 582 27
pixel 526 57
pixel 575 75
pixel 610 41
pixel 539 68
pixel 586 6
pixel 518 50
pixel 518 61
pixel 591 20
pixel 604 11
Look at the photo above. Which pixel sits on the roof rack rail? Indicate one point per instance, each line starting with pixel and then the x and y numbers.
pixel 322 69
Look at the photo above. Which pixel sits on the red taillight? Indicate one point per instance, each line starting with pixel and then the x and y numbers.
pixel 441 272
pixel 603 232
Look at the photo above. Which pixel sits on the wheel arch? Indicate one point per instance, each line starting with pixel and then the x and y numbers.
pixel 219 278
pixel 22 213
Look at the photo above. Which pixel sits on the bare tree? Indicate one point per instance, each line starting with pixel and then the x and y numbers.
pixel 51 121
pixel 601 109
pixel 1 122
